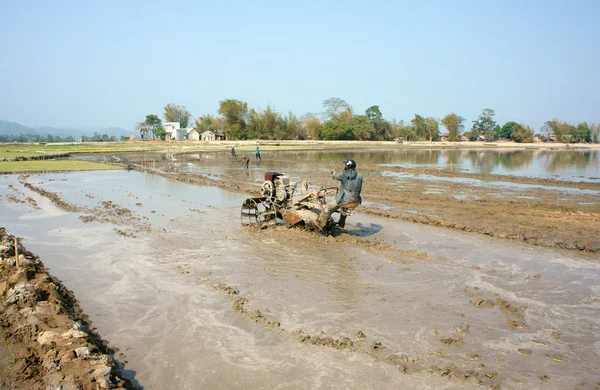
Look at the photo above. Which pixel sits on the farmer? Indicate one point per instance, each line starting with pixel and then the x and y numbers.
pixel 245 161
pixel 351 185
pixel 258 154
pixel 233 151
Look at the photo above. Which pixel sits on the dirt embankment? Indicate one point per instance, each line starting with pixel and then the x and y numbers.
pixel 46 340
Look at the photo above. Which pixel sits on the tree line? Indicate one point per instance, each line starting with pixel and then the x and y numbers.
pixel 96 137
pixel 339 121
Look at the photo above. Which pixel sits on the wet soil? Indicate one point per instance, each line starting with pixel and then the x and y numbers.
pixel 383 303
pixel 541 212
pixel 46 340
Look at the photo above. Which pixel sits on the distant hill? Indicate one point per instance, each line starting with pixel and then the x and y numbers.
pixel 13 128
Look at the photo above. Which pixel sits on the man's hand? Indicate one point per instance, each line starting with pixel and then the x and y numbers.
pixel 331 170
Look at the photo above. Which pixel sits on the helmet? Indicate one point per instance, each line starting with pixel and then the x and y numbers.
pixel 350 164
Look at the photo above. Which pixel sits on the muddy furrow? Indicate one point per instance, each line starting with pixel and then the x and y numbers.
pixel 50 339
pixel 359 344
pixel 106 212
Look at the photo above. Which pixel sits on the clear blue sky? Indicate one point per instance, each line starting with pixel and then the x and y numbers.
pixel 109 63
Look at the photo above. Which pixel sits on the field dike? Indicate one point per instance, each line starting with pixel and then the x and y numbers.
pixel 47 339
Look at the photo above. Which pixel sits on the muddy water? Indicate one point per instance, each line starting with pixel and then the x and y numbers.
pixel 435 296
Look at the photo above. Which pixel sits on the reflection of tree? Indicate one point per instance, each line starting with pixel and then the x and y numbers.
pixel 403 156
pixel 515 159
pixel 481 161
pixel 579 159
pixel 487 161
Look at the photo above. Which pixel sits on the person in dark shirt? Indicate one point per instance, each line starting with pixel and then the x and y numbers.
pixel 350 188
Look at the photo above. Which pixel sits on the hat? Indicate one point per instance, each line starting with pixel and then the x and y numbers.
pixel 350 164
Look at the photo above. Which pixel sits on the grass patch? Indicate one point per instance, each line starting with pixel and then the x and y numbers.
pixel 54 165
pixel 27 150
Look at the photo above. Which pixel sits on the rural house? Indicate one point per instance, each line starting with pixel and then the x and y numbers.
pixel 192 135
pixel 208 136
pixel 175 133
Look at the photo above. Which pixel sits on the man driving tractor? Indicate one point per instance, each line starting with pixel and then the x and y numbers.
pixel 348 196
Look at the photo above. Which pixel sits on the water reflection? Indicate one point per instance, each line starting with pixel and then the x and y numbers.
pixel 564 164
pixel 576 165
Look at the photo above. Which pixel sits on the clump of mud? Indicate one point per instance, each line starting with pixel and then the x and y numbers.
pixel 515 315
pixel 48 338
pixel 54 198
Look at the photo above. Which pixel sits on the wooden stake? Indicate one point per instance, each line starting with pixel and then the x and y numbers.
pixel 16 253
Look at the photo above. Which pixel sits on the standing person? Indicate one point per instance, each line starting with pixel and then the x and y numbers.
pixel 350 188
pixel 233 151
pixel 258 154
pixel 246 161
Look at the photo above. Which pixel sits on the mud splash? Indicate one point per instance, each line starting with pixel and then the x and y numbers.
pixel 51 340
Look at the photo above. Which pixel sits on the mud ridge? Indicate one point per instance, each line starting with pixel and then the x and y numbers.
pixel 107 212
pixel 51 340
pixel 488 177
pixel 54 198
pixel 531 239
pixel 376 350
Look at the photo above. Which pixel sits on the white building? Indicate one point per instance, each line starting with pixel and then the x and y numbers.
pixel 175 133
pixel 208 136
pixel 193 135
pixel 171 130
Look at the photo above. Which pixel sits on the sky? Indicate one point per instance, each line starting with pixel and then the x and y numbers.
pixel 110 63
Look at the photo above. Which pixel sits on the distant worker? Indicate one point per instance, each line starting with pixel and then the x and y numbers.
pixel 245 161
pixel 258 154
pixel 350 189
pixel 233 152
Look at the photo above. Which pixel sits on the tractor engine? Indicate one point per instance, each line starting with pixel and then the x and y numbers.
pixel 277 189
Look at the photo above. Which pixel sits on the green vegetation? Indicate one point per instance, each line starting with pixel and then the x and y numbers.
pixel 17 150
pixel 174 113
pixel 454 124
pixel 338 121
pixel 153 125
pixel 96 137
pixel 54 165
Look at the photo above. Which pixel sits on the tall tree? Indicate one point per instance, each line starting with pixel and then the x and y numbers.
pixel 507 130
pixel 335 106
pixel 333 130
pixel 175 113
pixel 595 129
pixel 235 115
pixel 522 133
pixel 581 132
pixel 432 129
pixel 313 125
pixel 454 124
pixel 363 128
pixel 485 124
pixel 420 126
pixel 204 123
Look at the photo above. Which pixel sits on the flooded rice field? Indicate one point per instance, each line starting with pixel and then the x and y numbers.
pixel 399 299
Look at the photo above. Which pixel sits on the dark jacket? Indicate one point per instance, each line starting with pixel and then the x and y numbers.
pixel 351 186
